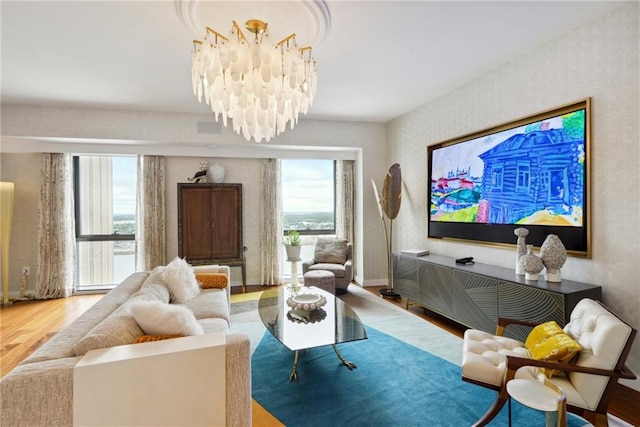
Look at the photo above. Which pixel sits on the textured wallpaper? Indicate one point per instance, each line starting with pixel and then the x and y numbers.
pixel 598 60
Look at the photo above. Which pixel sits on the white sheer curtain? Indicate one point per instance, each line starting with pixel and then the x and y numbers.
pixel 150 213
pixel 271 223
pixel 56 228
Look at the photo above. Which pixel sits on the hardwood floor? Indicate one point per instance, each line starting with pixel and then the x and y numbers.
pixel 26 325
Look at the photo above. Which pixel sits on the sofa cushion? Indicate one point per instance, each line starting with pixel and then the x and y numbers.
pixel 157 318
pixel 330 250
pixel 179 278
pixel 119 328
pixel 214 325
pixel 210 303
pixel 153 291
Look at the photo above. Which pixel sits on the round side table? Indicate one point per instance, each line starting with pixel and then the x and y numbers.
pixel 543 395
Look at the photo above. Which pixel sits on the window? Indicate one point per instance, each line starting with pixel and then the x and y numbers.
pixel 524 176
pixel 497 171
pixel 308 202
pixel 105 214
pixel 308 196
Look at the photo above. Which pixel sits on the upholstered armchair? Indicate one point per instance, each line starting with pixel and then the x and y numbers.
pixel 332 255
pixel 589 381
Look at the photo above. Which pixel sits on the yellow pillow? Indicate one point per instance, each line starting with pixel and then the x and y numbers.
pixel 542 332
pixel 212 280
pixel 559 347
pixel 147 338
pixel 548 341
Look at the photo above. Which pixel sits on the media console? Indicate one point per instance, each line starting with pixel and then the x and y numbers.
pixel 476 295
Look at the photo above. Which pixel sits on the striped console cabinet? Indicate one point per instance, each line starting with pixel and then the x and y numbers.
pixel 476 295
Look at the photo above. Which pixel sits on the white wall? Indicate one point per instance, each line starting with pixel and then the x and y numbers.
pixel 599 60
pixel 86 131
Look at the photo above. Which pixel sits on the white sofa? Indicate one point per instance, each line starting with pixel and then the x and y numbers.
pixel 39 391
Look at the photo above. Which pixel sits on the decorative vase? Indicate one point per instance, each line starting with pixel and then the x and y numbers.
pixel 531 264
pixel 215 173
pixel 521 247
pixel 554 255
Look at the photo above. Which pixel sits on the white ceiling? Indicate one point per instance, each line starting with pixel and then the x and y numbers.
pixel 376 60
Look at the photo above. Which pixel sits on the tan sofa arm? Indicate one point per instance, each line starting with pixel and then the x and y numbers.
pixel 238 373
pixel 38 394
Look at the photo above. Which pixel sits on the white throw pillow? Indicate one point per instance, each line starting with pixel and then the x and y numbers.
pixel 179 278
pixel 158 318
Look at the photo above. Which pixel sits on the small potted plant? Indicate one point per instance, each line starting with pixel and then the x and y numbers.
pixel 292 244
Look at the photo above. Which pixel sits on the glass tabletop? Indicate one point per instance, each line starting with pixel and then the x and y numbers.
pixel 334 323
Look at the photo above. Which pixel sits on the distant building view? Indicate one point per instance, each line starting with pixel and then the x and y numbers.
pixel 308 221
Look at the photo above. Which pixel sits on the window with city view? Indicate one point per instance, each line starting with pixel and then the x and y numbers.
pixel 308 202
pixel 308 196
pixel 105 206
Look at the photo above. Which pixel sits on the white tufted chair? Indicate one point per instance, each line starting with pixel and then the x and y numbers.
pixel 493 360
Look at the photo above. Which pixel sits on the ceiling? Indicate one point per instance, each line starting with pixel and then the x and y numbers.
pixel 376 60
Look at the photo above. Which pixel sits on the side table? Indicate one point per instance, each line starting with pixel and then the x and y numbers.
pixel 543 395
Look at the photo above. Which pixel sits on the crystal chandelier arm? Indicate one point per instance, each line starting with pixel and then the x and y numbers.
pixel 302 50
pixel 217 34
pixel 286 40
pixel 237 27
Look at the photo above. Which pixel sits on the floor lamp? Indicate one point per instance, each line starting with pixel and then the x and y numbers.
pixel 6 216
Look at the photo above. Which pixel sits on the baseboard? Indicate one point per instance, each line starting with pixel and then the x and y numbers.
pixel 375 282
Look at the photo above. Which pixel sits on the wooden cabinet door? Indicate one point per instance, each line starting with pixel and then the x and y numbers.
pixel 195 218
pixel 225 212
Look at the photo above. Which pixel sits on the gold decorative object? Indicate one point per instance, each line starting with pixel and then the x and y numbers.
pixel 389 206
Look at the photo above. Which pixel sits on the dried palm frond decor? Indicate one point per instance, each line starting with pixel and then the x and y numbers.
pixel 389 206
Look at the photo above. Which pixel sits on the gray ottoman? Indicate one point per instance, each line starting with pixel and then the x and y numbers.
pixel 322 279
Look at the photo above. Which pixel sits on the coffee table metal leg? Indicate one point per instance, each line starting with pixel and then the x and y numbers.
pixel 294 372
pixel 345 362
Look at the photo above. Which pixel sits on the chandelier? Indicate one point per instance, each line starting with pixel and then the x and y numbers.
pixel 261 87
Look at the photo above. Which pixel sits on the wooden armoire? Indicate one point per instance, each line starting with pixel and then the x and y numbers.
pixel 210 225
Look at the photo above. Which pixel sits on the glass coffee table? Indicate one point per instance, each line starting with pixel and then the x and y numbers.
pixel 300 327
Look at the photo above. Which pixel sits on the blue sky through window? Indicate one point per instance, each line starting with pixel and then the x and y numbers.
pixel 124 185
pixel 307 185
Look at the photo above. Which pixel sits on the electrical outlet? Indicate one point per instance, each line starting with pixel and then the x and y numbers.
pixel 25 271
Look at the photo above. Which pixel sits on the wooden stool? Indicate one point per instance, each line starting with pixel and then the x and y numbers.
pixel 322 279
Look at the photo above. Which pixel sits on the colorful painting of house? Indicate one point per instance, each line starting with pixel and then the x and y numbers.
pixel 533 174
pixel 533 178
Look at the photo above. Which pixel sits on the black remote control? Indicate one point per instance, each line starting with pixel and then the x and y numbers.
pixel 467 260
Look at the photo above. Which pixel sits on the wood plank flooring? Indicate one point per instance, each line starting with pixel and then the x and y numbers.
pixel 26 325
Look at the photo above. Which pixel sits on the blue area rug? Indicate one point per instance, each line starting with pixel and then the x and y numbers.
pixel 395 384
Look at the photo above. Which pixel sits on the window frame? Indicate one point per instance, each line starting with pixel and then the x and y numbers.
pixel 115 236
